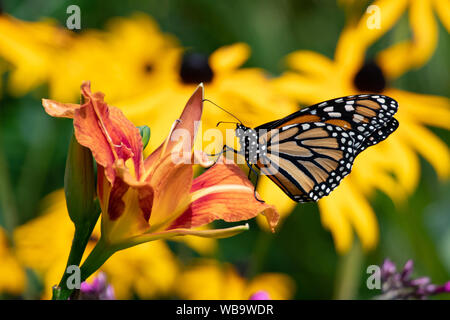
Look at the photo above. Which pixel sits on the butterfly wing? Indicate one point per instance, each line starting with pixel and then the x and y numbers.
pixel 362 115
pixel 306 160
pixel 378 135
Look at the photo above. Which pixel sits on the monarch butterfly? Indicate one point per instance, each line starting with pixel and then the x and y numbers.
pixel 308 153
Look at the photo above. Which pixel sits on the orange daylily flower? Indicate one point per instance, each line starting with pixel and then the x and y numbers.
pixel 156 198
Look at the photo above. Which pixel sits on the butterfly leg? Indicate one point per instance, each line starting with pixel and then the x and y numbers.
pixel 224 150
pixel 256 182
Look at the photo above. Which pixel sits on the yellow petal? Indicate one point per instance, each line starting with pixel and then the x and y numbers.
pixel 389 13
pixel 344 208
pixel 425 33
pixel 434 150
pixel 208 279
pixel 310 62
pixel 300 87
pixel 443 11
pixel 333 218
pixel 394 61
pixel 272 194
pixel 424 108
pixel 12 276
pixel 278 286
pixel 229 58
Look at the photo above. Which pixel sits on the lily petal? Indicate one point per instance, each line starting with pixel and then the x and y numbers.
pixel 214 233
pixel 185 129
pixel 59 109
pixel 223 192
pixel 103 129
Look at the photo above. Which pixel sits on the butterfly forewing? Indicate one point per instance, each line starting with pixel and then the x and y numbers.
pixel 360 114
pixel 307 160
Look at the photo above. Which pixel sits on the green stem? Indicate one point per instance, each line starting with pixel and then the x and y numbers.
pixel 260 253
pixel 349 273
pixel 7 200
pixel 97 258
pixel 79 243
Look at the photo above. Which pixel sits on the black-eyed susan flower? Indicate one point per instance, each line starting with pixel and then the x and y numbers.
pixel 414 52
pixel 156 198
pixel 392 167
pixel 130 57
pixel 28 51
pixel 423 19
pixel 246 92
pixel 209 279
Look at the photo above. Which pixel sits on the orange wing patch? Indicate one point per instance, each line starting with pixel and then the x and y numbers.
pixel 297 174
pixel 366 111
pixel 369 103
pixel 340 123
pixel 335 154
pixel 326 142
pixel 313 133
pixel 291 148
pixel 318 174
pixel 301 119
pixel 327 164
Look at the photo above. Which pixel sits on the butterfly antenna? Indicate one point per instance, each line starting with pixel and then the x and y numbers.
pixel 223 110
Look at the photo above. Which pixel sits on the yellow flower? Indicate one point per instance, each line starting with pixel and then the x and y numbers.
pixel 128 58
pixel 12 275
pixel 30 49
pixel 245 92
pixel 413 52
pixel 211 280
pixel 43 245
pixel 392 166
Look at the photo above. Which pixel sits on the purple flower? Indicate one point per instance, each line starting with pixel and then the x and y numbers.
pixel 99 289
pixel 260 295
pixel 400 285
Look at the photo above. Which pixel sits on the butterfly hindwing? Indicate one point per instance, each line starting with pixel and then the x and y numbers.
pixel 307 161
pixel 378 135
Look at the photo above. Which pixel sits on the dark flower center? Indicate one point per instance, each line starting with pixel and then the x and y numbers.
pixel 370 78
pixel 148 67
pixel 195 68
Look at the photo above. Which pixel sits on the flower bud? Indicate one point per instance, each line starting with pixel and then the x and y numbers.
pixel 79 184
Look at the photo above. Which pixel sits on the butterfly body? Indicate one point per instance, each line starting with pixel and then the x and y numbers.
pixel 309 152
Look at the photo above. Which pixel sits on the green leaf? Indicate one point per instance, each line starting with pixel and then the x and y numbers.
pixel 145 134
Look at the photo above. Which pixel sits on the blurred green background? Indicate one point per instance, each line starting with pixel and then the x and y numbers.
pixel 34 147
